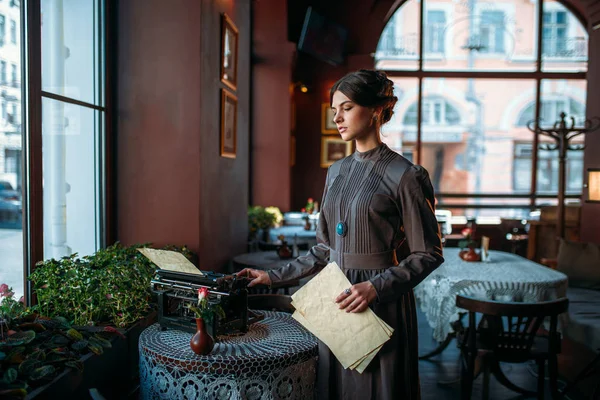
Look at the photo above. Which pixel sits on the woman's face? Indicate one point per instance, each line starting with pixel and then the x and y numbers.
pixel 353 121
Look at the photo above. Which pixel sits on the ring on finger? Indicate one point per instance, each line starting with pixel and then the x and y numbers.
pixel 348 291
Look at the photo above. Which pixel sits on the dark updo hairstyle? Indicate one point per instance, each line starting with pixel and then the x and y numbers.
pixel 368 88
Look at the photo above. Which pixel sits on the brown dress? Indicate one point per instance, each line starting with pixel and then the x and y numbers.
pixel 392 239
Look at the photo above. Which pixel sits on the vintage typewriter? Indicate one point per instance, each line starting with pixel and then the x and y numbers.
pixel 177 290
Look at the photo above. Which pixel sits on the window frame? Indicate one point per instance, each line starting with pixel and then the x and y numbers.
pixel 538 75
pixel 31 115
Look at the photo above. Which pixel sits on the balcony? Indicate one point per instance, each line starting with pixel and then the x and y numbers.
pixel 565 48
pixel 399 47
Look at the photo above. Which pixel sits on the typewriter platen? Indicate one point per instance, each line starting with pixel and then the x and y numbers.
pixel 177 290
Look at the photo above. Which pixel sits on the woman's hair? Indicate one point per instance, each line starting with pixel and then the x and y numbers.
pixel 368 88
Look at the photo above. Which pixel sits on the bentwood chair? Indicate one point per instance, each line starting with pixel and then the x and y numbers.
pixel 509 332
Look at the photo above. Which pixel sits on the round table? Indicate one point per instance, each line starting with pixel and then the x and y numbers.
pixel 275 359
pixel 506 277
pixel 264 260
pixel 289 232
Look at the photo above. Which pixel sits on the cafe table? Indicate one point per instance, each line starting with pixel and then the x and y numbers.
pixel 275 359
pixel 504 277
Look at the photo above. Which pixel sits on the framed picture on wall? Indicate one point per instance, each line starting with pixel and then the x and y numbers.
pixel 333 148
pixel 228 124
pixel 229 52
pixel 327 124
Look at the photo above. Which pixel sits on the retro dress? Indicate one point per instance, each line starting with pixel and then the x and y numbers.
pixel 377 222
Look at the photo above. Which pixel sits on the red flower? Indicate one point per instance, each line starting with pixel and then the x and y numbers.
pixel 303 209
pixel 467 232
pixel 310 200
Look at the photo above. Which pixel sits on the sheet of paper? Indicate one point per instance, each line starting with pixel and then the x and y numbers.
pixel 350 336
pixel 170 261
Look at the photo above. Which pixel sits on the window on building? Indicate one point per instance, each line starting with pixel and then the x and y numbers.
pixel 13 74
pixel 3 72
pixel 547 169
pixel 436 26
pixel 13 31
pixel 12 160
pixel 554 34
pixel 491 32
pixel 436 111
pixel 551 110
pixel 2 29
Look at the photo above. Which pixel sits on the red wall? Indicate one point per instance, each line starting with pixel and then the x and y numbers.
pixel 172 185
pixel 271 122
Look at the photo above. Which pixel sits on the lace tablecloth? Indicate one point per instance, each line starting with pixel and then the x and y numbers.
pixel 276 359
pixel 506 277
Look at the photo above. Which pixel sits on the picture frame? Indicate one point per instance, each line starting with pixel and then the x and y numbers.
pixel 327 124
pixel 229 52
pixel 334 148
pixel 228 124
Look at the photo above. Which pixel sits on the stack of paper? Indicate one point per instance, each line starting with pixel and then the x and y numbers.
pixel 354 338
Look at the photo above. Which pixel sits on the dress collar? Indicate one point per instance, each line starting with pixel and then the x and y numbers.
pixel 372 154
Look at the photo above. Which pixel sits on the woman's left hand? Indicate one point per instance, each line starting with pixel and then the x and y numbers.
pixel 361 295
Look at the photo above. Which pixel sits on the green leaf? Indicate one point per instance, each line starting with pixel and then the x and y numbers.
pixel 10 375
pixel 42 372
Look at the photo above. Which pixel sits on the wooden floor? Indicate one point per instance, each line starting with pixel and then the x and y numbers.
pixel 436 372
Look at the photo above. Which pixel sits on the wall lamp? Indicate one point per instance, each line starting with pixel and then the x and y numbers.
pixel 593 185
pixel 301 86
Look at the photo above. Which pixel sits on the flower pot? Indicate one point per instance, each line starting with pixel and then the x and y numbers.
pixel 201 343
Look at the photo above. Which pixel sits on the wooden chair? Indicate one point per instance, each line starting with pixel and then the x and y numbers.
pixel 270 302
pixel 509 332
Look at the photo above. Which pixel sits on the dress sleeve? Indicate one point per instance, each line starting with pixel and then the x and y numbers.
pixel 316 258
pixel 415 194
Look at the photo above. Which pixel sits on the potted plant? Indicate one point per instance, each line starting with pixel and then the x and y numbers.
pixel 99 304
pixel 259 222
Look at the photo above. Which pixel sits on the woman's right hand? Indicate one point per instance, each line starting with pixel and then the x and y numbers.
pixel 257 277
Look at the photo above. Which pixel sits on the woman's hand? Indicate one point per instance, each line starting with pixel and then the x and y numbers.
pixel 361 295
pixel 256 277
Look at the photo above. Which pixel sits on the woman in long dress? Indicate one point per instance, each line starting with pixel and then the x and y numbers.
pixel 377 222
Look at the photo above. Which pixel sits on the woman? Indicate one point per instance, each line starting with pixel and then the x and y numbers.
pixel 377 222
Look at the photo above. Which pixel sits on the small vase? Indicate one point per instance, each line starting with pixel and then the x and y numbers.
pixel 202 343
pixel 470 255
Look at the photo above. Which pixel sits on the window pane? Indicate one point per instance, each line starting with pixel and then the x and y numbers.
pixel 398 47
pixel 558 96
pixel 481 35
pixel 70 137
pixel 477 147
pixel 11 150
pixel 71 25
pixel 564 40
pixel 400 132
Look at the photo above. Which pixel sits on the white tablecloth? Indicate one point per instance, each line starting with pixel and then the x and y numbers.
pixel 506 277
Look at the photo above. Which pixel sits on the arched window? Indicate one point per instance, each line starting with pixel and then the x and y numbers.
pixel 480 63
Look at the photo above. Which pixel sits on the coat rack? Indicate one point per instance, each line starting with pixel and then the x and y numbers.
pixel 562 135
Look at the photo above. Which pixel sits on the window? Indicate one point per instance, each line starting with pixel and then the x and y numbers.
pixel 547 169
pixel 2 29
pixel 3 72
pixel 13 74
pixel 436 25
pixel 550 112
pixel 436 111
pixel 554 34
pixel 491 32
pixel 3 111
pixel 12 160
pixel 13 31
pixel 477 98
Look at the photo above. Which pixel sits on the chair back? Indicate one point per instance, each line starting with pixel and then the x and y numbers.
pixel 270 302
pixel 510 329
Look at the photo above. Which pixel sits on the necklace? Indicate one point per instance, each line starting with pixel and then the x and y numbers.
pixel 341 229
